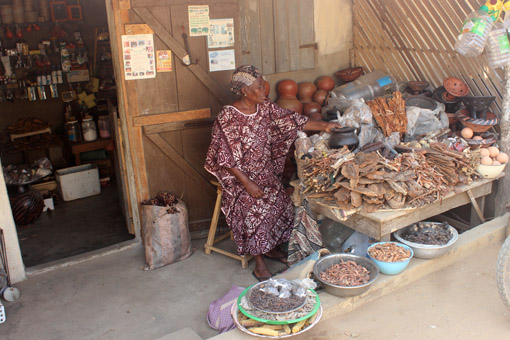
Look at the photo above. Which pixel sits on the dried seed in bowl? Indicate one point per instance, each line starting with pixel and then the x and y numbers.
pixel 347 273
pixel 389 252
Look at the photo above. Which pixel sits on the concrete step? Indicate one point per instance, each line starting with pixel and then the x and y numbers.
pixel 182 334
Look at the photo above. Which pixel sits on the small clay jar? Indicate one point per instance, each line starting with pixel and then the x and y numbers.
pixel 320 97
pixel 341 137
pixel 316 116
pixel 290 104
pixel 267 87
pixel 311 108
pixel 287 89
pixel 326 83
pixel 306 91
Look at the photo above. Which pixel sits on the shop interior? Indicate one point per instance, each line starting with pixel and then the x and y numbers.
pixel 59 128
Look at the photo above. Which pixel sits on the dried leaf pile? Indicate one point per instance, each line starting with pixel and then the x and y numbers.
pixel 164 199
pixel 390 114
pixel 369 182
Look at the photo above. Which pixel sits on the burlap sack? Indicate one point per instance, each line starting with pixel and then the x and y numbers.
pixel 165 235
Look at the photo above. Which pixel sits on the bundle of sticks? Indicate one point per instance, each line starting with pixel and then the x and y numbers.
pixel 390 114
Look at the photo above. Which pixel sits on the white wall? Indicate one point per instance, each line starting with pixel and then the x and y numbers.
pixel 16 267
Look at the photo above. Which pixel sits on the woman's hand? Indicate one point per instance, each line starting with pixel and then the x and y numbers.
pixel 320 125
pixel 332 125
pixel 253 189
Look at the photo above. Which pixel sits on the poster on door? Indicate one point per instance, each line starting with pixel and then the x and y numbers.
pixel 221 33
pixel 163 61
pixel 222 60
pixel 138 55
pixel 198 17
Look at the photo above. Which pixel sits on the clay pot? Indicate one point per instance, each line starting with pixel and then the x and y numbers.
pixel 27 204
pixel 292 104
pixel 287 89
pixel 325 83
pixel 320 97
pixel 316 116
pixel 268 88
pixel 343 137
pixel 311 108
pixel 306 91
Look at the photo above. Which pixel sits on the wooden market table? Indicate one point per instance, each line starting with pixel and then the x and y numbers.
pixel 380 224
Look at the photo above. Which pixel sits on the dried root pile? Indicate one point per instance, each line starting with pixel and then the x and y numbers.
pixel 347 273
pixel 369 182
pixel 390 114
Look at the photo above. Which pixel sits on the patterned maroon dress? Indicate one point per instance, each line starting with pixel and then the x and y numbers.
pixel 256 144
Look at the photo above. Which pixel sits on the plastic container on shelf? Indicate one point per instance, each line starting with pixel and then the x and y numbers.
pixel 73 131
pixel 368 86
pixel 498 47
pixel 89 129
pixel 474 33
pixel 104 126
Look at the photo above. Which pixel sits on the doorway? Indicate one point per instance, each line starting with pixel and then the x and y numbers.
pixel 76 43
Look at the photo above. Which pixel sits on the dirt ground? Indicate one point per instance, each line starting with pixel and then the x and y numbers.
pixel 459 302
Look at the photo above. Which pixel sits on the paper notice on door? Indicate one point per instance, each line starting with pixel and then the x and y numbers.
pixel 138 54
pixel 164 61
pixel 221 33
pixel 222 60
pixel 198 17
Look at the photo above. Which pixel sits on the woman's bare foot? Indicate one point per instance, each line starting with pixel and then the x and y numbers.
pixel 261 270
pixel 277 254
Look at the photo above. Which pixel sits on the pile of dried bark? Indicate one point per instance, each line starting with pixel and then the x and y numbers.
pixel 390 114
pixel 369 182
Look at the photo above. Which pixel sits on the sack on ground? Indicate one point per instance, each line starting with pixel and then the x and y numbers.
pixel 218 316
pixel 165 234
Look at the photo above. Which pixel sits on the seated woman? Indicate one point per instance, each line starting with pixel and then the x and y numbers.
pixel 250 141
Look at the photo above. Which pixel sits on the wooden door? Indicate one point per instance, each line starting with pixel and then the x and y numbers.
pixel 169 118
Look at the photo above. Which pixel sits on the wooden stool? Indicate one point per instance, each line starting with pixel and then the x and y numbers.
pixel 211 240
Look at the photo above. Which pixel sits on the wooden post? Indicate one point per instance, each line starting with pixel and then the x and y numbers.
pixel 502 204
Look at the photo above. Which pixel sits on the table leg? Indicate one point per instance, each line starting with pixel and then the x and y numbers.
pixel 477 209
pixel 386 238
pixel 77 158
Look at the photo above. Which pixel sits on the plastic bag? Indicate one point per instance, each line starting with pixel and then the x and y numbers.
pixel 358 113
pixel 421 121
pixel 357 244
pixel 285 288
pixel 334 234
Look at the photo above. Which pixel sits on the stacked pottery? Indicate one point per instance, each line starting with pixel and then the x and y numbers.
pixel 306 91
pixel 287 96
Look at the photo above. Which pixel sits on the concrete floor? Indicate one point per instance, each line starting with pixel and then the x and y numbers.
pixel 74 227
pixel 111 297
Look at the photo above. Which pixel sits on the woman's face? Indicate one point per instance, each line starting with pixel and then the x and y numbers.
pixel 256 92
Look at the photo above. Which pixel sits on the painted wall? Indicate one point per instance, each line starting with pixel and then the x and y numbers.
pixel 16 267
pixel 333 35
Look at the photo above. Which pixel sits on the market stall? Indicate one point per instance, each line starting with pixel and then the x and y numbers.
pixel 399 159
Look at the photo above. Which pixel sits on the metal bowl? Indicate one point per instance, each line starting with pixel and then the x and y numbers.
pixel 427 251
pixel 345 291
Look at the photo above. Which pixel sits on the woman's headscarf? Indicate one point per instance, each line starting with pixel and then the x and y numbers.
pixel 244 75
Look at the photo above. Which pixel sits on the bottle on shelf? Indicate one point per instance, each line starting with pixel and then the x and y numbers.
pixel 474 33
pixel 89 129
pixel 73 130
pixel 104 126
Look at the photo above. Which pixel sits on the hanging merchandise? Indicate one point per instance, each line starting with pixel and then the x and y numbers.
pixel 474 33
pixel 498 47
pixel 65 58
